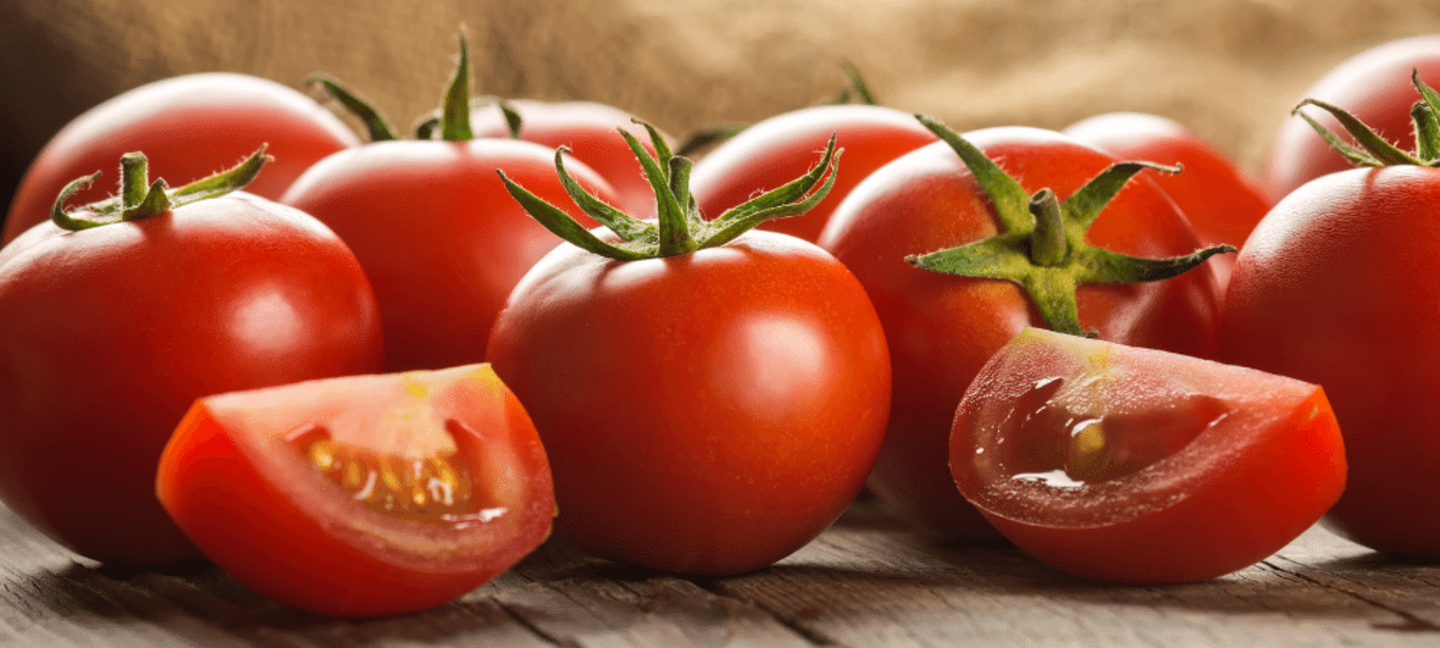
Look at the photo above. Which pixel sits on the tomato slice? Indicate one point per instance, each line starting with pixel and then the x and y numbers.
pixel 362 495
pixel 1134 465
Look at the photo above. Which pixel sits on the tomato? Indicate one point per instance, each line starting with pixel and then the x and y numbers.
pixel 1220 200
pixel 440 238
pixel 1375 87
pixel 941 329
pixel 771 152
pixel 361 495
pixel 1334 288
pixel 188 126
pixel 706 410
pixel 1127 464
pixel 1332 293
pixel 588 130
pixel 107 335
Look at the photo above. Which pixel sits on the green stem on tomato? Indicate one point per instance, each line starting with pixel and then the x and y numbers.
pixel 679 228
pixel 1041 245
pixel 139 198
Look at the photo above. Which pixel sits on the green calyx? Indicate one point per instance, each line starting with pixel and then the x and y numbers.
pixel 679 228
pixel 140 198
pixel 1041 245
pixel 1371 149
pixel 451 122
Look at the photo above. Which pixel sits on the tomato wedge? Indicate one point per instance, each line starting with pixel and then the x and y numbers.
pixel 1134 465
pixel 362 495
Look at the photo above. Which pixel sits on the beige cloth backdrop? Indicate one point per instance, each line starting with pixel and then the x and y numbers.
pixel 1230 69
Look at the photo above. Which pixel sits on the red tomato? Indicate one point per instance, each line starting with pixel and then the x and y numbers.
pixel 941 329
pixel 188 126
pixel 775 151
pixel 108 334
pixel 1336 287
pixel 362 495
pixel 1221 201
pixel 708 413
pixel 1126 464
pixel 1375 87
pixel 588 130
pixel 439 237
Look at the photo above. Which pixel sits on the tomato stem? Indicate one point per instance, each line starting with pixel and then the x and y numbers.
pixel 139 198
pixel 679 228
pixel 1041 243
pixel 1372 150
pixel 455 111
pixel 1047 241
pixel 375 123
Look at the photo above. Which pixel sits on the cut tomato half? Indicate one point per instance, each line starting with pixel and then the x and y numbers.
pixel 362 495
pixel 1134 465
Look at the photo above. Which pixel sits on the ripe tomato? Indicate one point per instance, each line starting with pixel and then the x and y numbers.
pixel 432 224
pixel 1220 200
pixel 776 150
pixel 941 329
pixel 1375 87
pixel 1333 289
pixel 362 495
pixel 1134 465
pixel 588 130
pixel 440 239
pixel 708 410
pixel 108 334
pixel 188 126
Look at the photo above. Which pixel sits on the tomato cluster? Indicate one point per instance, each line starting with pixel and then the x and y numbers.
pixel 365 378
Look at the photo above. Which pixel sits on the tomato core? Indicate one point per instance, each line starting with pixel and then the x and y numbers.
pixel 1069 444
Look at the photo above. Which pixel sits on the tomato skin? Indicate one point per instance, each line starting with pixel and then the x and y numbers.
pixel 588 129
pixel 108 334
pixel 1334 289
pixel 941 329
pixel 1375 87
pixel 770 153
pixel 262 512
pixel 441 240
pixel 1219 199
pixel 1265 461
pixel 706 414
pixel 187 126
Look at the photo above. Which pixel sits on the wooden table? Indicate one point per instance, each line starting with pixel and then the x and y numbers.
pixel 867 582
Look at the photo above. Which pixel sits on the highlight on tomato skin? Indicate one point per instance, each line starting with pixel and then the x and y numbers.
pixel 363 495
pixel 1133 465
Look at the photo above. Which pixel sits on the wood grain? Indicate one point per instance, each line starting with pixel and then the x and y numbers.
pixel 867 582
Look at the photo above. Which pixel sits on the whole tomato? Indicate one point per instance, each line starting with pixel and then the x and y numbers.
pixel 1135 465
pixel 772 152
pixel 361 495
pixel 941 328
pixel 1219 199
pixel 710 400
pixel 1336 287
pixel 587 129
pixel 440 238
pixel 109 332
pixel 1375 87
pixel 187 125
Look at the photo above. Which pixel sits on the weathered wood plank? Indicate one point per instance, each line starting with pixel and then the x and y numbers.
pixel 868 582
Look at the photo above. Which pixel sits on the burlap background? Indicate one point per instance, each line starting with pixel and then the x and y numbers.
pixel 1230 69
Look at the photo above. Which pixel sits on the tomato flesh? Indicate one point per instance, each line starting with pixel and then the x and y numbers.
pixel 1134 465
pixel 363 495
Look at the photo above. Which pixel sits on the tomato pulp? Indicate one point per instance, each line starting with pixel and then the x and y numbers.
pixel 1135 465
pixel 361 495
